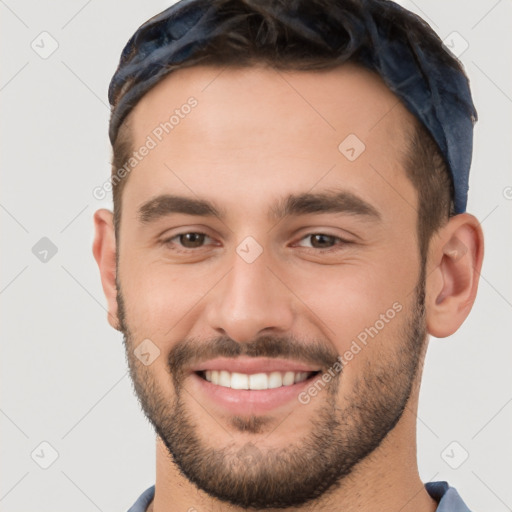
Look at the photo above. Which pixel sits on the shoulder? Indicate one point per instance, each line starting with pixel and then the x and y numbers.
pixel 447 497
pixel 143 500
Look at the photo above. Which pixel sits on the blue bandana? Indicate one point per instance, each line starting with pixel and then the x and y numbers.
pixel 436 92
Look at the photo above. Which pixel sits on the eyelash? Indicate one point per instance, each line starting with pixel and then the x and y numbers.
pixel 168 242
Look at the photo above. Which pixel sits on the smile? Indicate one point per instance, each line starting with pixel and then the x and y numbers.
pixel 254 381
pixel 250 385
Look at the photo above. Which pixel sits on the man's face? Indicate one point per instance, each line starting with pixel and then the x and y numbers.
pixel 270 291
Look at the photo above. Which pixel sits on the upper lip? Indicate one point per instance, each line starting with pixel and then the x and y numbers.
pixel 251 365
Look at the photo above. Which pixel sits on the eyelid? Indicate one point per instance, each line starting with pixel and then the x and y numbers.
pixel 334 231
pixel 183 230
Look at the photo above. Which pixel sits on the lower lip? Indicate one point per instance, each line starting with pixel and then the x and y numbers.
pixel 249 401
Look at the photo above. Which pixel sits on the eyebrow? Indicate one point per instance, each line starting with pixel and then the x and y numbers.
pixel 293 205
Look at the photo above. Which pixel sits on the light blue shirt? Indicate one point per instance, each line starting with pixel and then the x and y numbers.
pixel 447 497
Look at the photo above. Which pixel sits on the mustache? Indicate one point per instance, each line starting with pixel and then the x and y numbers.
pixel 191 352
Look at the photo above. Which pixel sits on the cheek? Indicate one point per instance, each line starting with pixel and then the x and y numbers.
pixel 159 296
pixel 350 302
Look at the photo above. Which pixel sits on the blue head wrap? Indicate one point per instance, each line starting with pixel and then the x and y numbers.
pixel 433 87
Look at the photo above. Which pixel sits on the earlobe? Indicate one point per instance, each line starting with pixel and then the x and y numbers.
pixel 457 256
pixel 104 250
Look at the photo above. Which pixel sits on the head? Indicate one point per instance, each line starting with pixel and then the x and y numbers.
pixel 297 215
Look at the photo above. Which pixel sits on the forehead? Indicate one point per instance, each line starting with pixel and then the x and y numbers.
pixel 259 127
pixel 348 96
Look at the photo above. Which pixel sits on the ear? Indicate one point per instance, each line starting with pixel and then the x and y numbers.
pixel 104 250
pixel 455 255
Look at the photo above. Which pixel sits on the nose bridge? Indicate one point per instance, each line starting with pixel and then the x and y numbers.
pixel 250 298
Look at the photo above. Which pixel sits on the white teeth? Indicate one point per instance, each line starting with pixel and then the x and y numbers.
pixel 288 379
pixel 238 381
pixel 259 381
pixel 275 380
pixel 224 379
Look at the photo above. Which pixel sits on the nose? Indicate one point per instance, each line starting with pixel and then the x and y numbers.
pixel 250 299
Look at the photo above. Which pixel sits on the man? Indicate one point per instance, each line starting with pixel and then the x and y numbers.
pixel 290 182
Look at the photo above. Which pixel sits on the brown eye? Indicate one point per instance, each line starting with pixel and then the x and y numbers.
pixel 187 242
pixel 191 240
pixel 322 241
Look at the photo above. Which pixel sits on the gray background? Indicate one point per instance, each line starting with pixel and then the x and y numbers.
pixel 64 379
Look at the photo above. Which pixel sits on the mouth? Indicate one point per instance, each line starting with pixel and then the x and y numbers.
pixel 246 385
pixel 255 381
